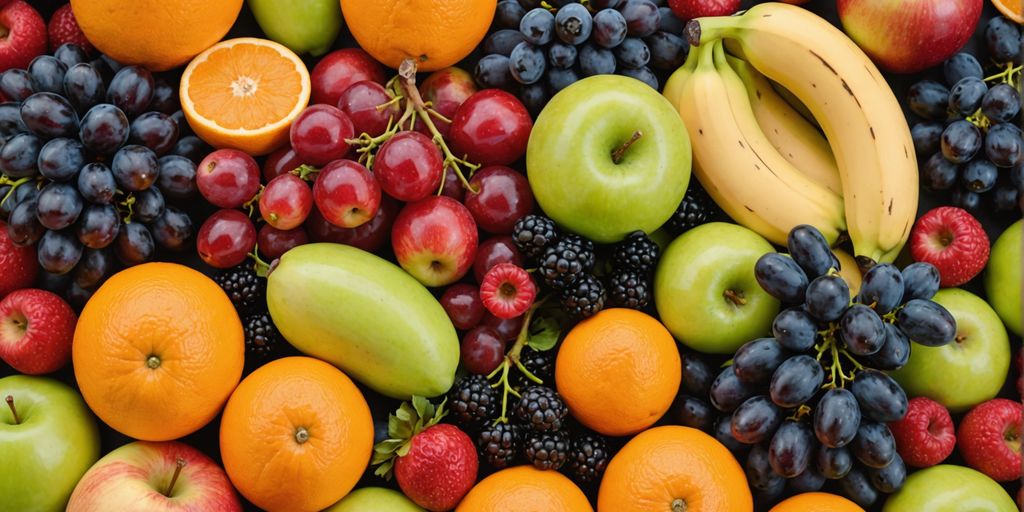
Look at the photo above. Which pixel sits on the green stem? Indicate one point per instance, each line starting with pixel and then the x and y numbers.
pixel 4 180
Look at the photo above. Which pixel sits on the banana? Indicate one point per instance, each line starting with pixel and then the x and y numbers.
pixel 796 139
pixel 738 166
pixel 675 82
pixel 857 110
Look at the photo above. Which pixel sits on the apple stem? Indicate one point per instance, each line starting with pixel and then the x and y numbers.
pixel 736 297
pixel 679 505
pixel 621 150
pixel 14 412
pixel 174 478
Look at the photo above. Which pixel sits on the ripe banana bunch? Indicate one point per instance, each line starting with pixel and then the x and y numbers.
pixel 849 99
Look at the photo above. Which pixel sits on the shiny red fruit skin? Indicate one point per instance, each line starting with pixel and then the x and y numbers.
pixel 409 166
pixel 439 469
pixel 225 239
pixel 338 70
pixel 508 329
pixel 462 303
pixel 984 438
pixel 25 35
pixel 507 290
pixel 20 265
pixel 227 178
pixel 441 228
pixel 286 201
pixel 492 127
pixel 370 236
pixel 44 345
pixel 453 187
pixel 282 160
pixel 318 134
pixel 482 350
pixel 63 28
pixel 346 194
pixel 274 242
pixel 954 241
pixel 926 435
pixel 360 102
pixel 446 90
pixel 502 196
pixel 495 250
pixel 690 9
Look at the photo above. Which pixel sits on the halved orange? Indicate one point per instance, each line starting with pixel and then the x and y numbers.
pixel 244 93
pixel 1011 9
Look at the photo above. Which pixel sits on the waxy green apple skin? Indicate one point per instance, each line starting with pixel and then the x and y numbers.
pixel 949 488
pixel 304 26
pixel 690 287
pixel 378 499
pixel 968 371
pixel 55 443
pixel 570 166
pixel 1004 279
pixel 366 316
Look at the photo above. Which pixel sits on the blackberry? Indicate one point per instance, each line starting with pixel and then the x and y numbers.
pixel 584 297
pixel 569 257
pixel 242 285
pixel 547 450
pixel 541 409
pixel 588 457
pixel 498 444
pixel 628 289
pixel 533 234
pixel 261 335
pixel 696 208
pixel 540 363
pixel 472 401
pixel 636 252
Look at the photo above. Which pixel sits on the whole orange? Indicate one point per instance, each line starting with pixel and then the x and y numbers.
pixel 157 34
pixel 435 33
pixel 525 489
pixel 817 502
pixel 618 371
pixel 296 435
pixel 674 469
pixel 157 351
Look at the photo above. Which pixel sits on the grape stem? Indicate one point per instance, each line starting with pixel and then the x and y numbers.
pixel 4 180
pixel 1010 75
pixel 512 359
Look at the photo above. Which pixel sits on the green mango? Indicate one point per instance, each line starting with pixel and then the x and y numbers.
pixel 366 316
pixel 301 25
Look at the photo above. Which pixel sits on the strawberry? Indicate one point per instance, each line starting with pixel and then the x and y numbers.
pixel 507 290
pixel 925 436
pixel 952 240
pixel 989 438
pixel 25 35
pixel 435 464
pixel 64 29
pixel 19 263
pixel 690 9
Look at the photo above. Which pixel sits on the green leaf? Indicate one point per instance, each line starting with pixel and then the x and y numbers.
pixel 544 332
pixel 424 409
pixel 404 450
pixel 389 446
pixel 384 470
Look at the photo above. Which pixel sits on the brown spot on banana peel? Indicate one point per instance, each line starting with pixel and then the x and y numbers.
pixel 890 205
pixel 850 92
pixel 741 144
pixel 749 209
pixel 822 59
pixel 872 130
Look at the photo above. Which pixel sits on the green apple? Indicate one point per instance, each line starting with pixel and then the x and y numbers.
pixel 377 499
pixel 608 156
pixel 949 488
pixel 706 292
pixel 1003 277
pixel 967 371
pixel 301 25
pixel 50 443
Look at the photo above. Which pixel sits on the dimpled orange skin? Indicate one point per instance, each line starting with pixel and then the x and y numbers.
pixel 618 371
pixel 171 313
pixel 665 464
pixel 258 435
pixel 525 489
pixel 817 502
pixel 436 33
pixel 156 34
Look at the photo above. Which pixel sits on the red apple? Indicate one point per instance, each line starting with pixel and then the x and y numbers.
pixel 435 240
pixel 492 127
pixel 339 69
pixel 446 90
pixel 20 264
pixel 371 236
pixel 906 36
pixel 346 194
pixel 36 328
pixel 155 477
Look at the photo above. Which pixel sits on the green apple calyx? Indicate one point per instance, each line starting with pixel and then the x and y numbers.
pixel 14 412
pixel 620 151
pixel 174 478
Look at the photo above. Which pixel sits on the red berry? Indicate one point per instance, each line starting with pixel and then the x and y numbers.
pixel 64 29
pixel 463 305
pixel 502 197
pixel 24 35
pixel 989 438
pixel 409 166
pixel 36 328
pixel 279 162
pixel 286 201
pixel 482 350
pixel 952 240
pixel 228 178
pixel 338 70
pixel 439 468
pixel 319 134
pixel 491 128
pixel 346 194
pixel 925 436
pixel 507 290
pixel 225 239
pixel 274 242
pixel 690 9
pixel 495 250
pixel 507 328
pixel 20 265
pixel 366 104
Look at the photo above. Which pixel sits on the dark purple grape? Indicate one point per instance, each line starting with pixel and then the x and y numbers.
pixel 503 42
pixel 84 87
pixel 833 463
pixel 791 448
pixel 920 281
pixel 963 198
pixel 559 79
pixel 54 283
pixel 604 4
pixel 96 183
pixel 938 173
pixel 810 250
pixel 47 74
pixel 890 478
pixel 723 433
pixel 965 97
pixel 697 375
pixel 131 90
pixel 70 54
pixel 1004 145
pixel 184 130
pixel 16 84
pixel 836 418
pixel 781 277
pixel 10 120
pixel 23 227
pixel 856 486
pixel 795 329
pixel 755 361
pixel 796 381
pixel 880 397
pixel 1001 103
pixel 23 192
pixel 538 26
pixel 191 147
pixel 728 392
pixel 561 55
pixel 894 353
pixel 960 66
pixel 668 51
pixel 927 138
pixel 670 23
pixel 1017 176
pixel 173 229
pixel 573 24
pixel 165 98
pixel 760 475
pixel 881 288
pixel 596 61
pixel 104 129
pixel 134 244
pixel 811 480
pixel 755 420
pixel 1006 198
pixel 49 115
pixel 492 71
pixel 874 445
pixel 643 74
pixel 98 226
pixel 610 28
pixel 527 63
pixel 107 65
pixel 507 15
pixel 979 175
pixel 176 177
pixel 929 100
pixel 58 251
pixel 19 157
pixel 60 159
pixel 695 413
pixel 632 53
pixel 534 97
pixel 94 266
pixel 861 330
pixel 135 168
pixel 926 322
pixel 149 204
pixel 1003 39
pixel 827 298
pixel 155 130
pixel 642 17
pixel 59 205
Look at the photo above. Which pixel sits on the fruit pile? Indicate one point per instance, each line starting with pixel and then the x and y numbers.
pixel 510 255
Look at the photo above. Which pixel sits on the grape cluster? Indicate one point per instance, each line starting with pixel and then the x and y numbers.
pixel 811 403
pixel 968 140
pixel 538 50
pixel 91 154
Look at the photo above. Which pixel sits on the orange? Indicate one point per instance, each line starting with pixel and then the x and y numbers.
pixel 157 351
pixel 244 93
pixel 157 34
pixel 296 435
pixel 817 502
pixel 436 33
pixel 525 489
pixel 618 371
pixel 1011 9
pixel 674 469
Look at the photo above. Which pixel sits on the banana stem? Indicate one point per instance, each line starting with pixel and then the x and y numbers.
pixel 712 28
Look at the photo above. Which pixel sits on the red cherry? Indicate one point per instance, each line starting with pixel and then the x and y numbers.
pixel 228 178
pixel 495 250
pixel 274 242
pixel 491 128
pixel 507 328
pixel 279 162
pixel 286 201
pixel 361 102
pixel 463 305
pixel 370 236
pixel 409 166
pixel 225 239
pixel 502 197
pixel 318 135
pixel 446 90
pixel 346 193
pixel 482 350
pixel 338 70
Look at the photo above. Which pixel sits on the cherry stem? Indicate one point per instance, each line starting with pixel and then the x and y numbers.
pixel 14 412
pixel 620 151
pixel 174 478
pixel 261 267
pixel 735 297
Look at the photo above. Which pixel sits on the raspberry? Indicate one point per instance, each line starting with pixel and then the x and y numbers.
pixel 507 290
pixel 924 437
